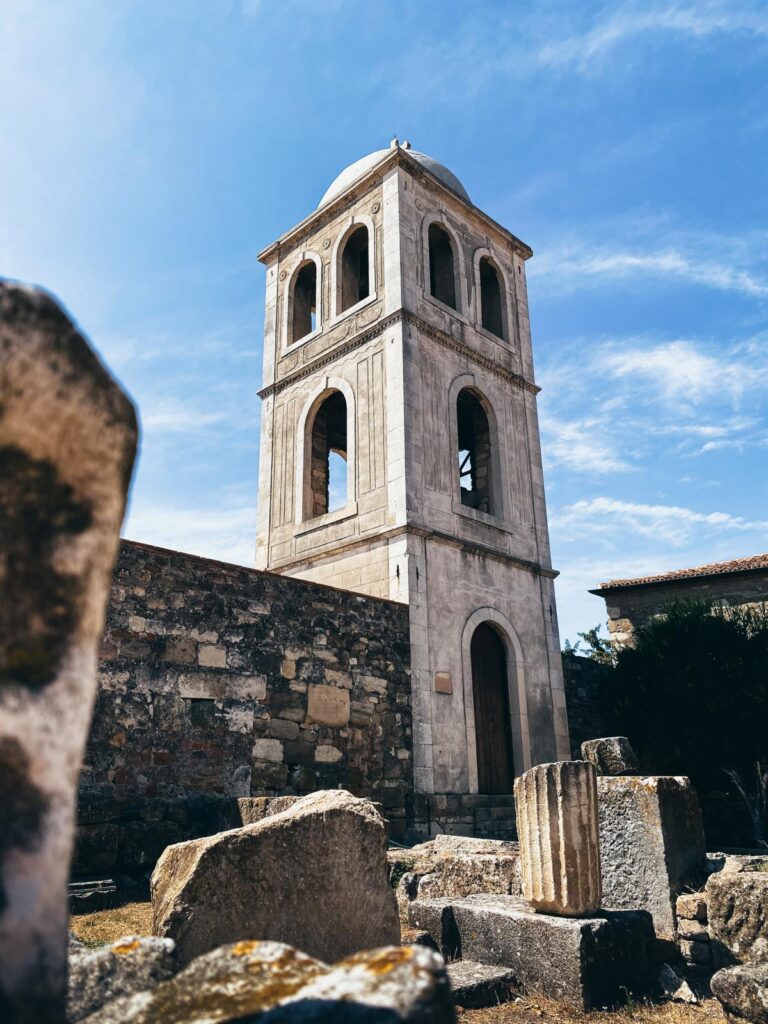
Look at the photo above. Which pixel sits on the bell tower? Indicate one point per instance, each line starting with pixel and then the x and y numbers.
pixel 400 454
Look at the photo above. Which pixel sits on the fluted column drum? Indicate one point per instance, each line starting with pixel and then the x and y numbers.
pixel 557 826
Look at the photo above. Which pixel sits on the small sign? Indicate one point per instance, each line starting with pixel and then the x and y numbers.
pixel 443 682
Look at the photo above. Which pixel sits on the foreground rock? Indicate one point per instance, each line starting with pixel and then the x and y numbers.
pixel 651 844
pixel 273 983
pixel 737 904
pixel 674 988
pixel 612 755
pixel 313 876
pixel 559 849
pixel 67 443
pixel 130 965
pixel 586 962
pixel 477 985
pixel 743 992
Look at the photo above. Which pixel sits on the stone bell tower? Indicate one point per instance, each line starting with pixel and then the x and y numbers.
pixel 400 454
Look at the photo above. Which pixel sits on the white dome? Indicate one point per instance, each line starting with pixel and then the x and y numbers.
pixel 360 167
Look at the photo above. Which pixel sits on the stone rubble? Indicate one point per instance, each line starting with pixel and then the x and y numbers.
pixel 674 988
pixel 737 904
pixel 68 437
pixel 693 934
pixel 743 993
pixel 130 965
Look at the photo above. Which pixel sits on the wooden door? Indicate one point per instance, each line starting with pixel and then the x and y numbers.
pixel 493 730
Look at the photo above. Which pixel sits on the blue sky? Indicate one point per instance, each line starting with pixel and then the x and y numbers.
pixel 150 149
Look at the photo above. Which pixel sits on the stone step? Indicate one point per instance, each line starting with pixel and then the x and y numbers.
pixel 586 962
pixel 475 985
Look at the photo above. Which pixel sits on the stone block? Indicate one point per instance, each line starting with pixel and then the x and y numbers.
pixel 692 906
pixel 693 930
pixel 585 962
pixel 314 874
pixel 283 729
pixel 611 755
pixel 328 705
pixel 557 826
pixel 651 844
pixel 326 754
pixel 696 952
pixel 67 443
pixel 737 905
pixel 212 656
pixel 743 993
pixel 268 750
pixel 475 986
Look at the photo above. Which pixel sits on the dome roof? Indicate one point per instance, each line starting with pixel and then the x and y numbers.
pixel 360 167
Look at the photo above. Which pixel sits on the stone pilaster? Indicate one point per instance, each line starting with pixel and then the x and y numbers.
pixel 557 824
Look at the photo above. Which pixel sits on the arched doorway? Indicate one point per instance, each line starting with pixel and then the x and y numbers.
pixel 495 766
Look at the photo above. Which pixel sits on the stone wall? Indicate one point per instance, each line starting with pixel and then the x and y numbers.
pixel 220 682
pixel 582 694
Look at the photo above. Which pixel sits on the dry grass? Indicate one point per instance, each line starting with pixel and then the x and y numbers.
pixel 536 1010
pixel 104 926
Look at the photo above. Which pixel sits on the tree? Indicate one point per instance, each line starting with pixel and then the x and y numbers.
pixel 692 696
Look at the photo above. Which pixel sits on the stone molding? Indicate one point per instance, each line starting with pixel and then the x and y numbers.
pixel 398 317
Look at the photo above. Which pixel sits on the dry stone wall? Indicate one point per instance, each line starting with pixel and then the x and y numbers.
pixel 222 682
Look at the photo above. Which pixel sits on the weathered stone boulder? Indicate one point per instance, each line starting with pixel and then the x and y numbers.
pixel 743 993
pixel 314 876
pixel 130 965
pixel 611 755
pixel 737 905
pixel 651 844
pixel 272 983
pixel 673 988
pixel 559 850
pixel 67 443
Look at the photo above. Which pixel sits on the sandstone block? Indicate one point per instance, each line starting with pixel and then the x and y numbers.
pixel 694 930
pixel 611 755
pixel 67 443
pixel 586 962
pixel 314 875
pixel 325 754
pixel 743 993
pixel 477 985
pixel 737 904
pixel 276 984
pixel 328 705
pixel 651 844
pixel 130 965
pixel 557 826
pixel 268 750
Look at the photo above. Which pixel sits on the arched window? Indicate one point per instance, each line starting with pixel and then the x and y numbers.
pixel 328 457
pixel 442 274
pixel 304 301
pixel 353 269
pixel 474 452
pixel 491 298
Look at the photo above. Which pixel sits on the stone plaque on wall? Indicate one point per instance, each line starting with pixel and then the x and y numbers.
pixel 443 682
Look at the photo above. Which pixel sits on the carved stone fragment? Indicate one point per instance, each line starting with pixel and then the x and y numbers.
pixel 559 848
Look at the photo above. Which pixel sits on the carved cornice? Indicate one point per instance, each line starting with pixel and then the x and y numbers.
pixel 400 316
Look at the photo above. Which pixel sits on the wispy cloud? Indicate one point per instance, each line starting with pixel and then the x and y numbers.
pixel 581 445
pixel 565 267
pixel 673 524
pixel 695 21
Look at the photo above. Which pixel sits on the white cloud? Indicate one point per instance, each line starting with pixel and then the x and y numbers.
pixel 226 533
pixel 695 21
pixel 581 445
pixel 672 524
pixel 566 266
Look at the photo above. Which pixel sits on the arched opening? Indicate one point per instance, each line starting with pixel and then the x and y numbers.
pixel 442 273
pixel 474 452
pixel 493 729
pixel 304 301
pixel 491 293
pixel 328 477
pixel 355 285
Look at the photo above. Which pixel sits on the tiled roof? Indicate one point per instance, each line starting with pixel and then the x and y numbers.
pixel 714 569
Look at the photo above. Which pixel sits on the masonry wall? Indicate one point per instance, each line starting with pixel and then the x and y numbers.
pixel 219 682
pixel 582 678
